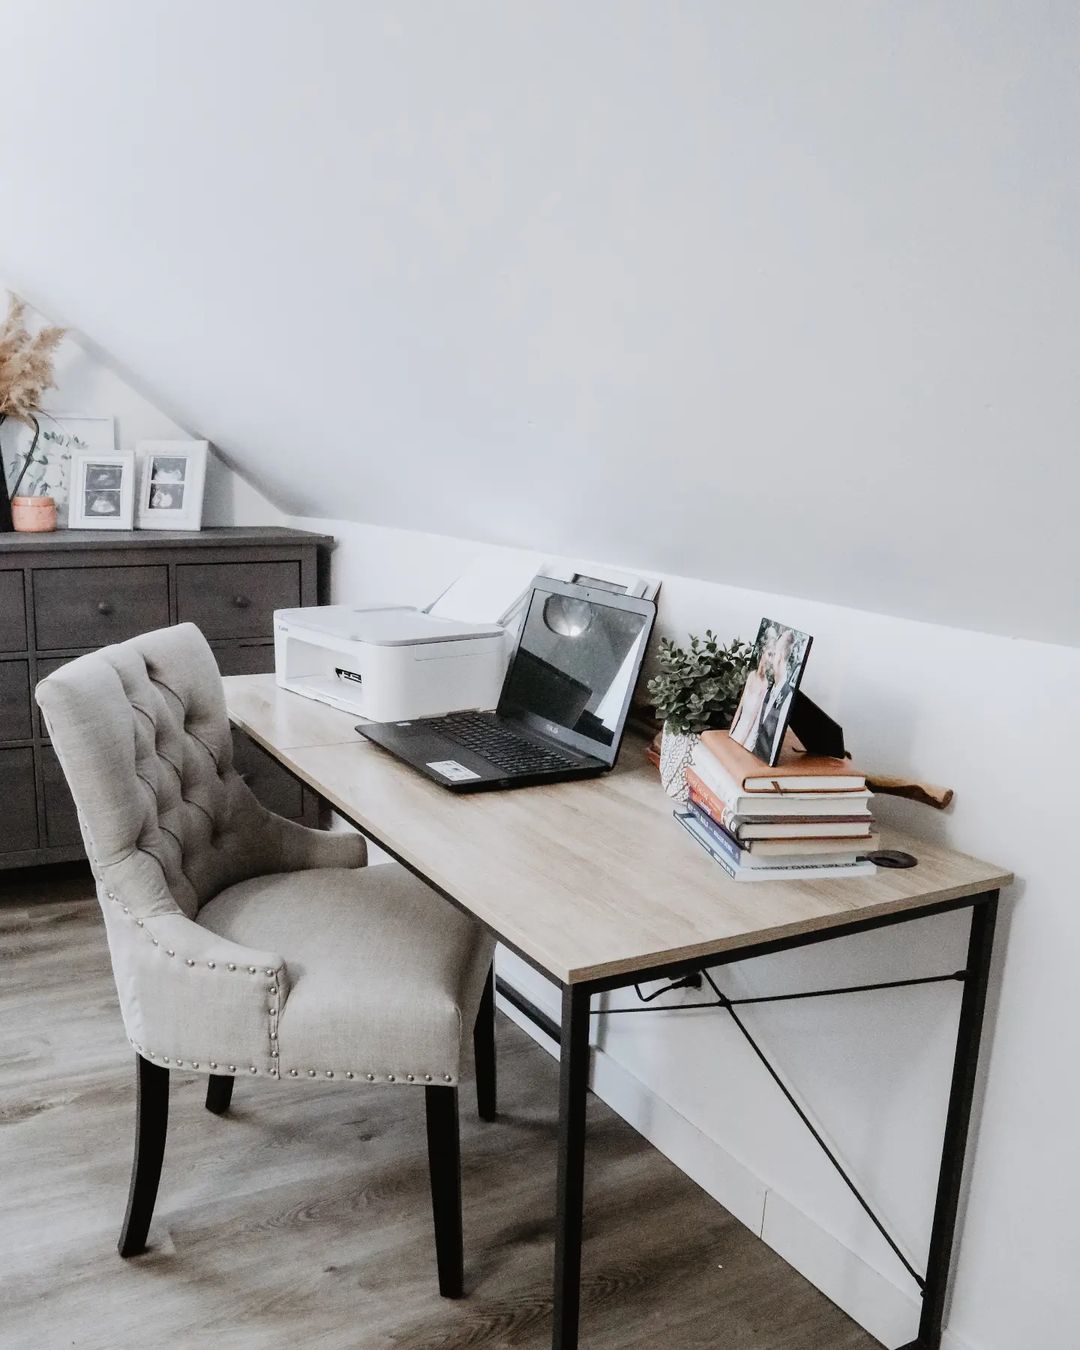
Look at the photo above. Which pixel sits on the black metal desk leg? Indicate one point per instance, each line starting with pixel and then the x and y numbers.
pixel 484 1051
pixel 980 950
pixel 573 1087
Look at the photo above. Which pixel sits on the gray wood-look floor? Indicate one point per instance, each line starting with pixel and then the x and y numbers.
pixel 302 1218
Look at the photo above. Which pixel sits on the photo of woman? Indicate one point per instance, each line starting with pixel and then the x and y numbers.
pixel 765 707
pixel 747 723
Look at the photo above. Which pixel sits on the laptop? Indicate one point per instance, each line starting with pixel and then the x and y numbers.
pixel 564 702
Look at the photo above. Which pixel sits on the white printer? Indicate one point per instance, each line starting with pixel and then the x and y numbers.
pixel 389 663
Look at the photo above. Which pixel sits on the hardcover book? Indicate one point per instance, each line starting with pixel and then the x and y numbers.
pixel 794 771
pixel 840 851
pixel 848 826
pixel 786 872
pixel 708 770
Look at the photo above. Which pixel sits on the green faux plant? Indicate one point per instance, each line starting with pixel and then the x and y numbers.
pixel 699 686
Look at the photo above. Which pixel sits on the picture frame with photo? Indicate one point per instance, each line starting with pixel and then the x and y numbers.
pixel 102 491
pixel 62 435
pixel 776 669
pixel 171 484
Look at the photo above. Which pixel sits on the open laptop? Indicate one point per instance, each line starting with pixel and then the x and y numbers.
pixel 564 702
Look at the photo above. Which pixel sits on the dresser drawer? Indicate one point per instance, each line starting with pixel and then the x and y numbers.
pixel 15 720
pixel 275 788
pixel 12 613
pixel 236 600
pixel 61 824
pixel 245 660
pixel 18 818
pixel 92 606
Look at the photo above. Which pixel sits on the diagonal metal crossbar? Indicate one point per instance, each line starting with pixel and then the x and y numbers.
pixel 729 1005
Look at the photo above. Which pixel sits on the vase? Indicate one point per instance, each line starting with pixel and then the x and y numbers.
pixel 676 751
pixel 33 515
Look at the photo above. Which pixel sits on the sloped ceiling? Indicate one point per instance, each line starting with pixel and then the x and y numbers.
pixel 782 295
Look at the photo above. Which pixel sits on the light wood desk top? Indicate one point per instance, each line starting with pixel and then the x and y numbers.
pixel 585 879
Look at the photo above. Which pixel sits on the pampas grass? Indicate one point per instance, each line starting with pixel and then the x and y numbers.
pixel 26 371
pixel 26 363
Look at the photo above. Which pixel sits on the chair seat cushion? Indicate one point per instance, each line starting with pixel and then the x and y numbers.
pixel 384 976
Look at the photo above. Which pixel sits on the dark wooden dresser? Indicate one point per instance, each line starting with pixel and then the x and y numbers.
pixel 67 593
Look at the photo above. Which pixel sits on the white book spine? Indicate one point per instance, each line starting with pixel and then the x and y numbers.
pixel 859 869
pixel 718 780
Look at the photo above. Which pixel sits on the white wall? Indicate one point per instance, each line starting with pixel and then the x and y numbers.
pixel 998 720
pixel 782 295
pixel 88 385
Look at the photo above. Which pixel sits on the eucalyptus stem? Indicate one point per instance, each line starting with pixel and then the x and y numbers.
pixel 3 476
pixel 29 456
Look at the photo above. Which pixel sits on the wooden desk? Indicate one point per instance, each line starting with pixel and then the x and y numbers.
pixel 596 886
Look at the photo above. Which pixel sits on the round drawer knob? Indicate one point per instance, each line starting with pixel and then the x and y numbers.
pixel 104 607
pixel 241 601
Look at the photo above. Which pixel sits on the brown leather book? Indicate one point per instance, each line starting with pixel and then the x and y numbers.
pixel 796 772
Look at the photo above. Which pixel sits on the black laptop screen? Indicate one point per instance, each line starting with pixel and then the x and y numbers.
pixel 575 664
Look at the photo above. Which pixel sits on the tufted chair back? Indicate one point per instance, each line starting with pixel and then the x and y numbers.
pixel 144 741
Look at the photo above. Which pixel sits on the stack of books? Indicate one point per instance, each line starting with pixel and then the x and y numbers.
pixel 807 816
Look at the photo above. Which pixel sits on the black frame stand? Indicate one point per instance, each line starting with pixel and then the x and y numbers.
pixel 573 1036
pixel 816 731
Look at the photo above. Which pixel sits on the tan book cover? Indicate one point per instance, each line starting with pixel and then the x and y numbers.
pixel 795 772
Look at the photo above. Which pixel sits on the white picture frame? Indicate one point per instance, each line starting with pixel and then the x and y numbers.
pixel 62 435
pixel 102 490
pixel 172 480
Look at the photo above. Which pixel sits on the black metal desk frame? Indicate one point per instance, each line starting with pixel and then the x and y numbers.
pixel 573 1037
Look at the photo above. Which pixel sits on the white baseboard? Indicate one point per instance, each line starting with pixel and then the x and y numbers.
pixel 886 1311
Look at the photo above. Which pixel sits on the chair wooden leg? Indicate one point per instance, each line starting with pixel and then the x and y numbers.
pixel 151 1124
pixel 484 1051
pixel 219 1093
pixel 444 1161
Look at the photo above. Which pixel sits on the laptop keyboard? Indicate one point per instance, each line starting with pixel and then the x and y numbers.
pixel 494 742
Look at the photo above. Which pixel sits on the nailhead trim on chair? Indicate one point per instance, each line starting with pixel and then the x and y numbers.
pixel 352 1075
pixel 274 975
pixel 170 951
pixel 272 1009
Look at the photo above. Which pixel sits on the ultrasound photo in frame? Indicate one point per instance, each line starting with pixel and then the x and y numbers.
pixel 172 485
pixel 102 493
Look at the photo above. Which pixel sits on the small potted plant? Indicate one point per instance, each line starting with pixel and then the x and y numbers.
pixel 26 371
pixel 697 688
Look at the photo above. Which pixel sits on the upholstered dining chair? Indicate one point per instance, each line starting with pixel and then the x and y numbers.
pixel 246 944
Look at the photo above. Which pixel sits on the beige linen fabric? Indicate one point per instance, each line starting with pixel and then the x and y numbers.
pixel 379 974
pixel 143 738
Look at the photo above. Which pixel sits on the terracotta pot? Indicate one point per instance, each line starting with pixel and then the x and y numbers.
pixel 676 750
pixel 33 515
